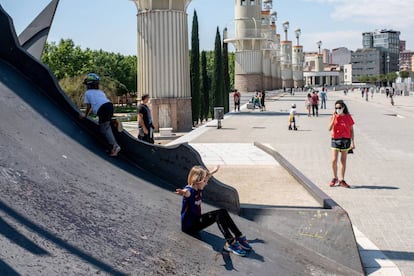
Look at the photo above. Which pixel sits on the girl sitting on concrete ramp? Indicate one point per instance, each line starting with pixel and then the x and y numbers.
pixel 192 221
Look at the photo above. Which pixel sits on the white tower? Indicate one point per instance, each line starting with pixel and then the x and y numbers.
pixel 275 54
pixel 297 62
pixel 267 48
pixel 248 44
pixel 286 59
pixel 163 62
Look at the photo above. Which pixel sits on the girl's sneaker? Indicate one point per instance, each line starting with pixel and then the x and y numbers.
pixel 342 183
pixel 244 243
pixel 236 248
pixel 333 182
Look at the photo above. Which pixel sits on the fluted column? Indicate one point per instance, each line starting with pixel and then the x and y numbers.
pixel 163 61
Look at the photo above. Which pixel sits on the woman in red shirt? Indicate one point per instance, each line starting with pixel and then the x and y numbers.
pixel 342 141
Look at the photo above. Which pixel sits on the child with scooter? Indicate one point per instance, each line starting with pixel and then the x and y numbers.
pixel 292 117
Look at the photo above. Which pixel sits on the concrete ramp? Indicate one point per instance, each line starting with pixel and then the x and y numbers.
pixel 66 208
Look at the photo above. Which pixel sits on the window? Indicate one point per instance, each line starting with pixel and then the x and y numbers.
pixel 243 2
pixel 252 2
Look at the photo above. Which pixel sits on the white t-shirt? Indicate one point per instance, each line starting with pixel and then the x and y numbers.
pixel 292 111
pixel 96 98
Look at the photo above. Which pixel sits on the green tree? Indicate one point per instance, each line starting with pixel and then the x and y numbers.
pixel 205 88
pixel 404 74
pixel 66 59
pixel 195 71
pixel 226 77
pixel 391 77
pixel 70 64
pixel 218 79
pixel 363 78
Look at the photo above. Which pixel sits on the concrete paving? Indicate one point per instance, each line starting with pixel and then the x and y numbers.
pixel 380 204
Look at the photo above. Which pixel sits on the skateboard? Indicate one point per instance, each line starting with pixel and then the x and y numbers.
pixel 117 124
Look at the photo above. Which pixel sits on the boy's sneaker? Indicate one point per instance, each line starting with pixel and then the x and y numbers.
pixel 115 151
pixel 236 248
pixel 333 182
pixel 244 243
pixel 342 183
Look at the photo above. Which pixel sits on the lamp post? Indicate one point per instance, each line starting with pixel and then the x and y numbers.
pixel 388 68
pixel 225 34
pixel 319 43
pixel 273 17
pixel 285 28
pixel 267 4
pixel 297 33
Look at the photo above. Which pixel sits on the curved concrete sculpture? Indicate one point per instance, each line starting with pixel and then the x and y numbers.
pixel 171 164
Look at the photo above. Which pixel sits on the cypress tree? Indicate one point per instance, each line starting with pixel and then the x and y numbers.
pixel 195 71
pixel 218 80
pixel 205 88
pixel 226 76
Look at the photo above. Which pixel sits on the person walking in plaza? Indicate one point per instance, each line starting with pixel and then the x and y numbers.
pixel 192 221
pixel 315 103
pixel 145 126
pixel 97 102
pixel 342 141
pixel 308 103
pixel 236 97
pixel 323 98
pixel 262 101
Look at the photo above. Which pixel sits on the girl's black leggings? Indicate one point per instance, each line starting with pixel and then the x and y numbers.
pixel 224 222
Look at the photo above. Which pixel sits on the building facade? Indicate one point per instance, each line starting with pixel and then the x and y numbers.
pixel 341 56
pixel 388 41
pixel 406 60
pixel 367 62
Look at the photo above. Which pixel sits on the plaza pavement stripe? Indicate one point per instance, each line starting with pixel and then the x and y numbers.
pixel 374 261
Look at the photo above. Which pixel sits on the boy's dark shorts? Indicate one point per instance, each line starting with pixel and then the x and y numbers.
pixel 341 144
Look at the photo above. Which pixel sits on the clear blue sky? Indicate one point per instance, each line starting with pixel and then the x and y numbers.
pixel 111 24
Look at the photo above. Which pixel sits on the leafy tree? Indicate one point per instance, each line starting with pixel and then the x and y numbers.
pixel 66 59
pixel 195 71
pixel 70 64
pixel 391 77
pixel 404 74
pixel 205 88
pixel 218 80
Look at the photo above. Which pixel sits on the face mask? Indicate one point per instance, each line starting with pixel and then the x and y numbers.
pixel 339 111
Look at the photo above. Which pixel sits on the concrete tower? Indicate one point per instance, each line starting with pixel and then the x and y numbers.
pixel 297 62
pixel 267 49
pixel 248 44
pixel 163 63
pixel 275 54
pixel 286 59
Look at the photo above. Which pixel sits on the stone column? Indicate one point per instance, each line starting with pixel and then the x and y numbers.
pixel 163 62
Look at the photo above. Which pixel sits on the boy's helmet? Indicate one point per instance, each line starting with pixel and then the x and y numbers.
pixel 91 78
pixel 293 105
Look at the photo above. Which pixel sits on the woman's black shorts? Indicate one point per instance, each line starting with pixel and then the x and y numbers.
pixel 341 144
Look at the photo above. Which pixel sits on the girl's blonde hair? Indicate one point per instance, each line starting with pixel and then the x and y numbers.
pixel 196 174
